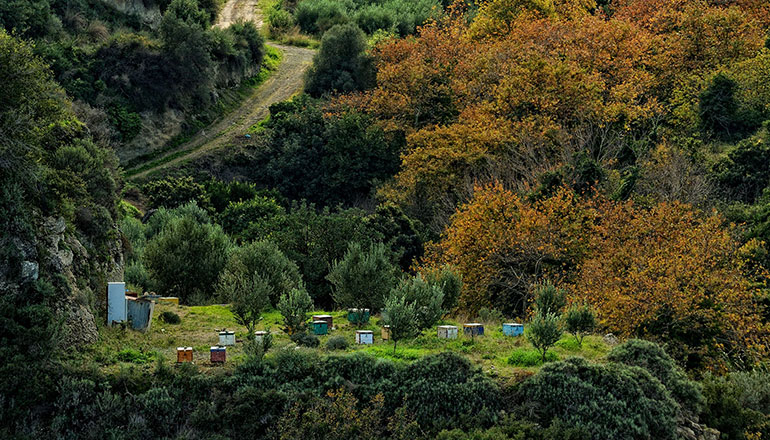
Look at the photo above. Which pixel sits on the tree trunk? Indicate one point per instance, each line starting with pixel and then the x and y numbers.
pixel 394 346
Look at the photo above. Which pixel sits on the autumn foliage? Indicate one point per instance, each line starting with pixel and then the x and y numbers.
pixel 668 272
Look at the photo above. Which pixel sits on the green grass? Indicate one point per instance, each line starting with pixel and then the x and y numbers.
pixel 526 357
pixel 495 353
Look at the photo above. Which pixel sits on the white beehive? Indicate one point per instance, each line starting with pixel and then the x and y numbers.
pixel 447 332
pixel 259 335
pixel 226 338
pixel 364 337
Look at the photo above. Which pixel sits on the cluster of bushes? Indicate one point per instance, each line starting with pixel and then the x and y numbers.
pixel 228 218
pixel 122 67
pixel 315 17
pixel 639 393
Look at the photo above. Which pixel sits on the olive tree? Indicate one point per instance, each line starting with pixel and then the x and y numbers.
pixel 543 332
pixel 294 308
pixel 401 317
pixel 580 320
pixel 363 278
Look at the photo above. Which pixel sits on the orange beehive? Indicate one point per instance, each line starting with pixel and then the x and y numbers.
pixel 184 354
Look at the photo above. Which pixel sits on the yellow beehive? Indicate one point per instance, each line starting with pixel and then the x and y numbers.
pixel 168 300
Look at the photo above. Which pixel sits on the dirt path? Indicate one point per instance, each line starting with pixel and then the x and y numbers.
pixel 282 84
pixel 234 10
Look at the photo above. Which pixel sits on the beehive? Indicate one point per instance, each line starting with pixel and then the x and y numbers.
pixel 320 327
pixel 447 332
pixel 358 316
pixel 218 354
pixel 364 337
pixel 184 354
pixel 226 338
pixel 259 335
pixel 513 329
pixel 473 329
pixel 168 300
pixel 385 332
pixel 328 318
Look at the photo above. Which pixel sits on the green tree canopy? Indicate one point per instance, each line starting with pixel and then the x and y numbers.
pixel 341 64
pixel 363 277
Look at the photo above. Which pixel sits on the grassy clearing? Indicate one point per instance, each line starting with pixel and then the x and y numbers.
pixel 120 348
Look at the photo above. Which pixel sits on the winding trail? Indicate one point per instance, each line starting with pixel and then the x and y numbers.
pixel 286 81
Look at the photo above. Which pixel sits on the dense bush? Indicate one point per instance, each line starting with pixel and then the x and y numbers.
pixel 314 239
pixel 738 404
pixel 426 298
pixel 399 16
pixel 186 257
pixel 337 343
pixel 239 216
pixel 609 401
pixel 307 152
pixel 170 317
pixel 305 339
pixel 341 64
pixel 653 358
pixel 173 192
pixel 363 277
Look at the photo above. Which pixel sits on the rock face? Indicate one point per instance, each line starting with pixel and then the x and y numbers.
pixel 62 253
pixel 150 15
pixel 690 430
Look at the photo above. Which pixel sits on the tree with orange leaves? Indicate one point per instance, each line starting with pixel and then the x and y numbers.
pixel 502 245
pixel 675 275
pixel 668 273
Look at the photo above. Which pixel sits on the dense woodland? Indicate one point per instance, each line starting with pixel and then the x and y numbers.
pixel 582 166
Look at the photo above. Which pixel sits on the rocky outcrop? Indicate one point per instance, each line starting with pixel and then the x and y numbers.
pixel 150 15
pixel 62 253
pixel 690 430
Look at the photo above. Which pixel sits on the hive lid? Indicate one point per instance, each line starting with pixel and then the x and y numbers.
pixel 319 322
pixel 364 332
pixel 472 324
pixel 222 333
pixel 189 349
pixel 260 332
pixel 448 326
pixel 511 323
pixel 322 316
pixel 180 349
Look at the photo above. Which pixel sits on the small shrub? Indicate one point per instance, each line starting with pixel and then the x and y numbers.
pixel 490 315
pixel 134 356
pixel 170 317
pixel 530 358
pixel 337 343
pixel 550 299
pixel 305 340
pixel 294 308
pixel 580 321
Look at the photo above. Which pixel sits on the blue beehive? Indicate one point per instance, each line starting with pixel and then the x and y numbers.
pixel 320 327
pixel 513 329
pixel 473 329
